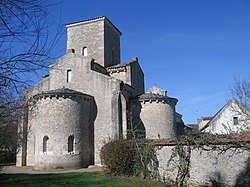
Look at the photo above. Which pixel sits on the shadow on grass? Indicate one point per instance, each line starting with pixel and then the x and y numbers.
pixel 65 179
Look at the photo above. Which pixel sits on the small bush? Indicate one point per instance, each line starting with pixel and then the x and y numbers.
pixel 130 157
pixel 118 157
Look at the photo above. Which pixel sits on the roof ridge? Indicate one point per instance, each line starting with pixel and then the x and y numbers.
pixel 84 20
pixel 216 114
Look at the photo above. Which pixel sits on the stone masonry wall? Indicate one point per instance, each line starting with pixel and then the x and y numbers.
pixel 137 78
pixel 58 118
pixel 41 86
pixel 99 36
pixel 111 45
pixel 87 35
pixel 207 167
pixel 131 74
pixel 103 88
pixel 158 119
pixel 108 111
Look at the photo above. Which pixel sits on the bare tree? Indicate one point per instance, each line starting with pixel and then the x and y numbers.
pixel 241 93
pixel 25 45
pixel 25 48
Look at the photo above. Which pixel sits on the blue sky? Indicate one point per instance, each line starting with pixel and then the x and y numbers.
pixel 192 48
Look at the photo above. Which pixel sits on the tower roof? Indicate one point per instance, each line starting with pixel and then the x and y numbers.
pixel 156 94
pixel 61 92
pixel 152 96
pixel 90 20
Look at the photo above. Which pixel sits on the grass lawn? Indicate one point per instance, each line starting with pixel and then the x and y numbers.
pixel 68 179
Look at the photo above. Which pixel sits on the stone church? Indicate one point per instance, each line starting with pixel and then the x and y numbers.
pixel 88 97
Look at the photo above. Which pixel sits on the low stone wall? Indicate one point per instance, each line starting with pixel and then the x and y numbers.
pixel 206 165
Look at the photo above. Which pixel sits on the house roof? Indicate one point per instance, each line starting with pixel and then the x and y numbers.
pixel 190 125
pixel 89 20
pixel 218 113
pixel 206 117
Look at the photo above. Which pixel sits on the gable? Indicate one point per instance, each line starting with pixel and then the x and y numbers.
pixel 227 120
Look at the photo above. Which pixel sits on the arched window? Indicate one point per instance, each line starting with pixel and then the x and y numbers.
pixel 84 51
pixel 71 143
pixel 45 144
pixel 69 75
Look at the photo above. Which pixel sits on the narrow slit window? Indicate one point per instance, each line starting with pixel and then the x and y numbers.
pixel 71 144
pixel 112 56
pixel 69 75
pixel 45 144
pixel 84 51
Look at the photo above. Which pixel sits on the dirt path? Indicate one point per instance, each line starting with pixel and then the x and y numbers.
pixel 30 170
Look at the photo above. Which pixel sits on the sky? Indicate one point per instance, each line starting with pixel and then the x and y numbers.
pixel 194 49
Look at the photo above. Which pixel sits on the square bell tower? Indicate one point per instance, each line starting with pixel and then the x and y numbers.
pixel 95 38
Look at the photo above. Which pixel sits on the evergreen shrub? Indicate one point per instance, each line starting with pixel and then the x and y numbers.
pixel 136 157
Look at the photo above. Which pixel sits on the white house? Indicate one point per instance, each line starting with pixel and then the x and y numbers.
pixel 229 119
pixel 201 122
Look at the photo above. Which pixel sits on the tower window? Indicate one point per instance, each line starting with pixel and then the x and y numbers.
pixel 113 56
pixel 71 143
pixel 45 144
pixel 236 121
pixel 84 51
pixel 69 75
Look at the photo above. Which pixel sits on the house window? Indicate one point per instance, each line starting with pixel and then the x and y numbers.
pixel 69 75
pixel 45 144
pixel 236 121
pixel 84 51
pixel 71 143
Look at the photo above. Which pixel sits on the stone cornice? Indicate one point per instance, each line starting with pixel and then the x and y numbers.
pixel 62 93
pixel 117 69
pixel 149 97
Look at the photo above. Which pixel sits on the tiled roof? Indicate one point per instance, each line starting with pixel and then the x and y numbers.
pixel 61 91
pixel 239 140
pixel 155 97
